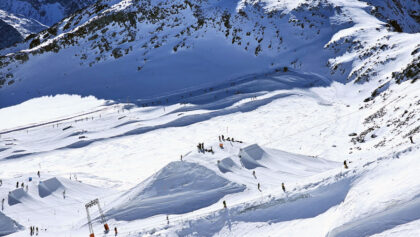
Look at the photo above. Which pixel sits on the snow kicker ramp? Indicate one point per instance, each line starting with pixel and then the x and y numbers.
pixel 47 187
pixel 16 196
pixel 179 187
pixel 250 156
pixel 7 225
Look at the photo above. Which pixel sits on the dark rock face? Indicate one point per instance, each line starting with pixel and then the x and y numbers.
pixel 8 35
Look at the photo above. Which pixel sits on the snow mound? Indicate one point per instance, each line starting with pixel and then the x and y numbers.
pixel 7 225
pixel 179 187
pixel 49 186
pixel 226 165
pixel 16 196
pixel 250 156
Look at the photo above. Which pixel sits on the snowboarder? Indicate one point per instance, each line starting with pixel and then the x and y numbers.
pixel 259 187
pixel 224 204
pixel 253 173
pixel 345 164
pixel 116 231
pixel 411 139
pixel 283 187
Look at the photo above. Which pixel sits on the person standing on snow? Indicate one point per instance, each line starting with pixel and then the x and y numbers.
pixel 116 231
pixel 283 187
pixel 2 204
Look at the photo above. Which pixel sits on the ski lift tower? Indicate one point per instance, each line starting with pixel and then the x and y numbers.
pixel 101 213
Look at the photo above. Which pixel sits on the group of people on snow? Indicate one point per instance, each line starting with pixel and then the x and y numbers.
pixel 202 149
pixel 229 139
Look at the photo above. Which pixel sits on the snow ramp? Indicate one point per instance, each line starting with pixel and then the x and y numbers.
pixel 49 186
pixel 17 196
pixel 179 187
pixel 226 165
pixel 7 225
pixel 251 155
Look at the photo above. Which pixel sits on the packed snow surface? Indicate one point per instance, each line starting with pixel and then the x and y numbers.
pixel 277 126
pixel 216 119
pixel 45 109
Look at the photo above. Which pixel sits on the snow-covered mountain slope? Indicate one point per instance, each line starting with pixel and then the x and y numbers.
pixel 113 49
pixel 24 26
pixel 48 12
pixel 304 88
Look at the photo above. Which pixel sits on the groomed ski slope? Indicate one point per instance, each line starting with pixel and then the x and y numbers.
pixel 129 157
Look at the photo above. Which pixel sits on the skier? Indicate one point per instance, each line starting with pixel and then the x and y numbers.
pixel 64 194
pixel 253 173
pixel 259 187
pixel 17 184
pixel 223 138
pixel 39 174
pixel 2 204
pixel 221 145
pixel 220 139
pixel 224 204
pixel 345 164
pixel 411 139
pixel 283 187
pixel 36 230
pixel 1 182
pixel 22 185
pixel 181 157
pixel 167 219
pixel 116 231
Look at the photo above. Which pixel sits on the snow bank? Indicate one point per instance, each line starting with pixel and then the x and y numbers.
pixel 46 108
pixel 180 187
pixel 7 225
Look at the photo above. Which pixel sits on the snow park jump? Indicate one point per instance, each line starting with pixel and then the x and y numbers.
pixel 132 118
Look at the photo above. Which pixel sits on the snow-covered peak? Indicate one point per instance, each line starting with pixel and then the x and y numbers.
pixel 47 12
